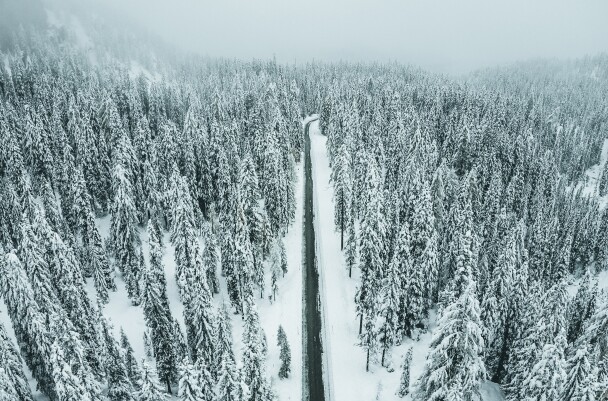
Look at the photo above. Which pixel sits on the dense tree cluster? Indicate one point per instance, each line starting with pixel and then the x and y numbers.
pixel 200 150
pixel 473 199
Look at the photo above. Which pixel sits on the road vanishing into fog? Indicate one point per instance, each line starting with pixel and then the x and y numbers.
pixel 312 387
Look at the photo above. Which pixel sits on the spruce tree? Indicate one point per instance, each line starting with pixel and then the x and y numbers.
pixel 404 384
pixel 133 370
pixel 229 386
pixel 547 377
pixel 12 376
pixel 254 354
pixel 189 385
pixel 455 359
pixel 68 386
pixel 149 387
pixel 285 354
pixel 123 232
pixel 582 306
pixel 580 375
pixel 120 387
pixel 388 326
pixel 342 183
pixel 156 311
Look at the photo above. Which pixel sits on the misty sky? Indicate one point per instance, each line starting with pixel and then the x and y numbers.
pixel 441 35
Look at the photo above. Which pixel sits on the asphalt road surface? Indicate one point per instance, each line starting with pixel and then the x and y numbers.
pixel 313 351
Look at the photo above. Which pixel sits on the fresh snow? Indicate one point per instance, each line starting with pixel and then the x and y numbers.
pixel 345 362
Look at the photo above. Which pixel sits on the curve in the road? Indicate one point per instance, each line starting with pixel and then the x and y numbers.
pixel 313 388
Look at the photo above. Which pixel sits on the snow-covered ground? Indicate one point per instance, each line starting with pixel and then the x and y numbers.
pixel 345 359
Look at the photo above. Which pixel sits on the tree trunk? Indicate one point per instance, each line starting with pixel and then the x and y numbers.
pixel 361 324
pixel 168 386
pixel 383 353
pixel 498 375
pixel 367 361
pixel 342 224
pixel 350 271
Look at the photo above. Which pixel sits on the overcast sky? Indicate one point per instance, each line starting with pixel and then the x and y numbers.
pixel 442 35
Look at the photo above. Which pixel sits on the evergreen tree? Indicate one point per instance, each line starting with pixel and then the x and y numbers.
pixel 229 386
pixel 156 311
pixel 12 377
pixel 200 318
pixel 285 354
pixel 67 386
pixel 547 377
pixel 351 247
pixel 189 385
pixel 254 353
pixel 341 179
pixel 496 306
pixel 404 384
pixel 388 326
pixel 133 370
pixel 582 306
pixel 455 358
pixel 579 376
pixel 149 388
pixel 28 320
pixel 123 233
pixel 120 387
pixel 102 271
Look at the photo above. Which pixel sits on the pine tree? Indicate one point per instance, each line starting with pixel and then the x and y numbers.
pixel 200 318
pixel 371 249
pixel 351 247
pixel 388 326
pixel 285 354
pixel 342 182
pixel 211 258
pixel 67 386
pixel 229 386
pixel 156 311
pixel 582 306
pixel 103 274
pixel 547 377
pixel 120 387
pixel 12 377
pixel 28 320
pixel 133 370
pixel 123 233
pixel 149 388
pixel 603 182
pixel 497 306
pixel 404 384
pixel 254 352
pixel 189 385
pixel 579 375
pixel 456 350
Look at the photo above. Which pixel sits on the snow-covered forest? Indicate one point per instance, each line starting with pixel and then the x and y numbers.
pixel 151 205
